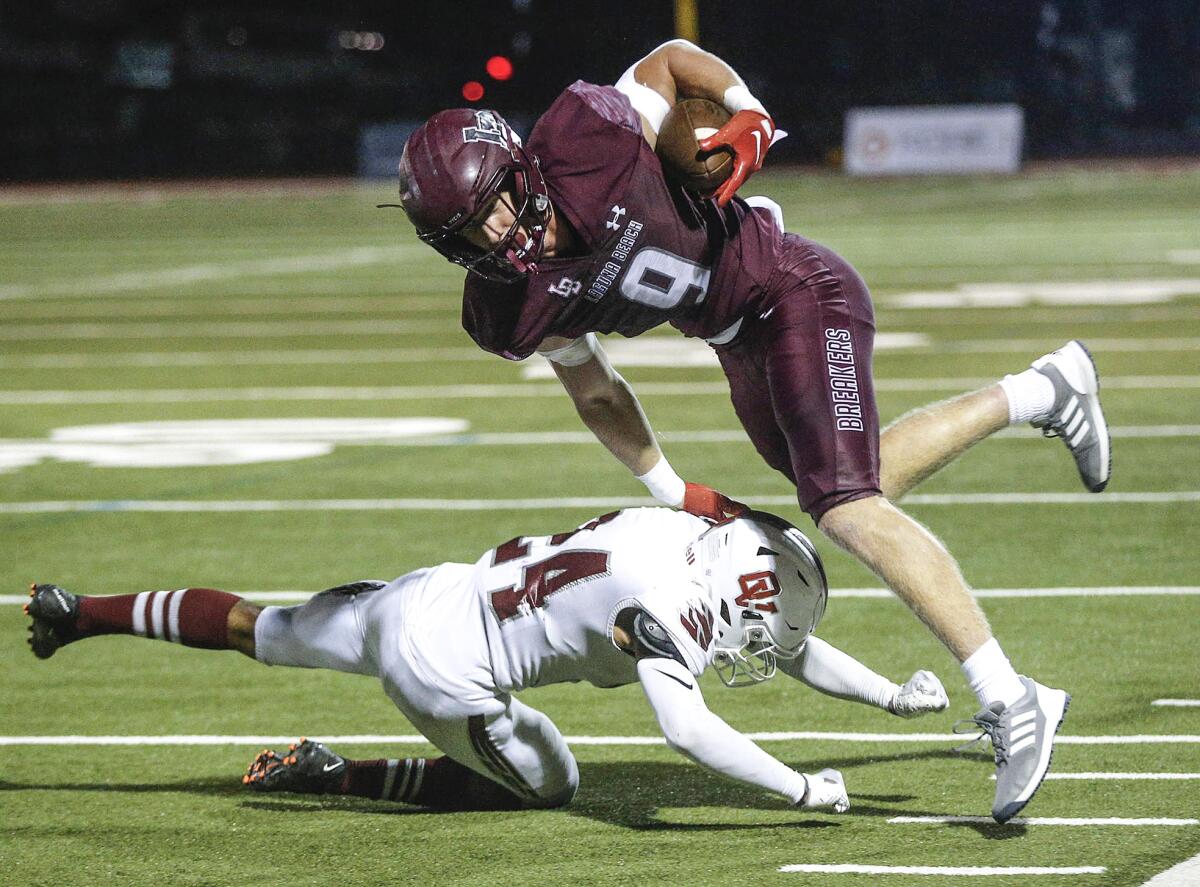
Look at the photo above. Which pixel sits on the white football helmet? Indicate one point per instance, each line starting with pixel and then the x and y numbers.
pixel 769 591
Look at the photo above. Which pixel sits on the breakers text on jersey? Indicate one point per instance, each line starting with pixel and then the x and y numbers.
pixel 843 380
pixel 612 268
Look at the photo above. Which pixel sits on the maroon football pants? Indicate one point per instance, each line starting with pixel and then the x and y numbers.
pixel 800 377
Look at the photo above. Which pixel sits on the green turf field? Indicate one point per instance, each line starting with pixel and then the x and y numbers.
pixel 173 307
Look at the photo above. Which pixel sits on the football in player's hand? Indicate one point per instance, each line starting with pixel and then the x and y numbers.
pixel 700 172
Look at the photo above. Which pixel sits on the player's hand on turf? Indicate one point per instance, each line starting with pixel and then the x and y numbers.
pixel 706 502
pixel 921 694
pixel 749 134
pixel 826 791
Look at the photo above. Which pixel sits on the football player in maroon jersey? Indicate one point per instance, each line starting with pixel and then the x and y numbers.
pixel 578 233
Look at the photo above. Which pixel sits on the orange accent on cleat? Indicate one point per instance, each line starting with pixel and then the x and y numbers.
pixel 245 780
pixel 25 607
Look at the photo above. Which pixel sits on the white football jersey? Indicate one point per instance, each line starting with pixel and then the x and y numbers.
pixel 550 602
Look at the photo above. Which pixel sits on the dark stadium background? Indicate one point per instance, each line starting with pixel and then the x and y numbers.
pixel 118 89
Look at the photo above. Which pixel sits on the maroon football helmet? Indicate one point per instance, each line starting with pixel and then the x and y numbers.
pixel 454 167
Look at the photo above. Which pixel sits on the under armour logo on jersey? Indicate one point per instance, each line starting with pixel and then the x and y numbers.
pixel 615 222
pixel 699 624
pixel 566 287
pixel 488 128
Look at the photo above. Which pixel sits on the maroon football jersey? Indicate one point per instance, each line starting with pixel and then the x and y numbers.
pixel 649 253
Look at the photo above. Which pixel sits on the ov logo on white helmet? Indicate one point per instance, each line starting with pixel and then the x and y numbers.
pixel 768 589
pixel 757 589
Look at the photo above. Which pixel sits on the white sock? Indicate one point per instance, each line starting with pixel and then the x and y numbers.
pixel 1030 396
pixel 991 675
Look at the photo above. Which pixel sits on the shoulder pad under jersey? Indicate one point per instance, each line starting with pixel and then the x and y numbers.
pixel 654 639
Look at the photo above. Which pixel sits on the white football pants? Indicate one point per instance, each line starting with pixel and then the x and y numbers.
pixel 423 636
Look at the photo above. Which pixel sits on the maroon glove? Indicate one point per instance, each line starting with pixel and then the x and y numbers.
pixel 749 134
pixel 706 502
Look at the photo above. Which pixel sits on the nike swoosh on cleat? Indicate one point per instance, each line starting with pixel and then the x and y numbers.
pixel 675 679
pixel 329 768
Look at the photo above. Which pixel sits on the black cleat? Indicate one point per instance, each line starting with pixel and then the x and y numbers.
pixel 53 611
pixel 308 768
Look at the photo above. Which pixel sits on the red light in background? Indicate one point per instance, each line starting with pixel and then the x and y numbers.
pixel 472 90
pixel 499 68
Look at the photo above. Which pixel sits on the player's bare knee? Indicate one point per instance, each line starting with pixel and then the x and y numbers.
pixel 240 627
pixel 844 523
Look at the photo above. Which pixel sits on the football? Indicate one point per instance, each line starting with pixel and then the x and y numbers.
pixel 678 149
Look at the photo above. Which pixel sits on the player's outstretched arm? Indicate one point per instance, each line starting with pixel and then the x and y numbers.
pixel 826 668
pixel 604 401
pixel 678 69
pixel 695 732
pixel 611 410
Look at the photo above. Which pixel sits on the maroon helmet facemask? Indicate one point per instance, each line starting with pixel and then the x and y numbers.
pixel 454 168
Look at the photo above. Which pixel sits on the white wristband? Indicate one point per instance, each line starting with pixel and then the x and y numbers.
pixel 646 101
pixel 738 98
pixel 664 484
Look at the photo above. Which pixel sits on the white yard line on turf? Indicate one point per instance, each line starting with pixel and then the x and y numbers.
pixel 325 392
pixel 1065 318
pixel 1042 820
pixel 220 329
pixel 732 435
pixel 1017 346
pixel 1121 777
pixel 170 278
pixel 218 506
pixel 281 357
pixel 384 739
pixel 292 301
pixel 1177 703
pixel 1185 874
pixel 489 392
pixel 1089 592
pixel 846 593
pixel 409 355
pixel 55 447
pixel 297 596
pixel 1008 295
pixel 953 870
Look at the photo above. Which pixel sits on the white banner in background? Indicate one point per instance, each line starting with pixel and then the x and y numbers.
pixel 934 139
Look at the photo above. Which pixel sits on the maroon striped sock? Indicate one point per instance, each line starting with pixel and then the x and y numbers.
pixel 439 783
pixel 196 617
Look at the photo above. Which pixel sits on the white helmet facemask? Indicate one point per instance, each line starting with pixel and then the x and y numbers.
pixel 769 592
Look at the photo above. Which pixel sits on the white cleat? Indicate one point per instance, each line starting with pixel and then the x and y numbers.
pixel 1022 737
pixel 1076 416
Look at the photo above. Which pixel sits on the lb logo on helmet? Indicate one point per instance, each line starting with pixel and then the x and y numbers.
pixel 489 128
pixel 757 589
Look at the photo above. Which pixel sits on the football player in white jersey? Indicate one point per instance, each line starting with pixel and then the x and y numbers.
pixel 648 595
